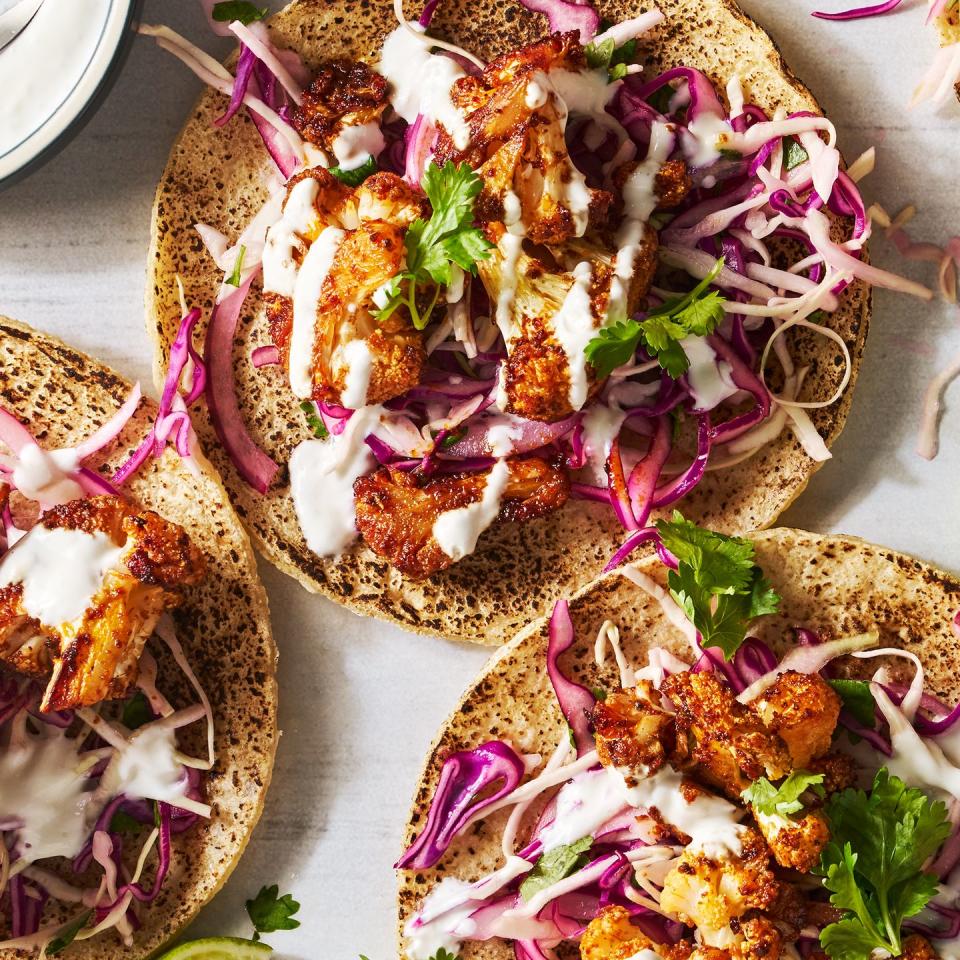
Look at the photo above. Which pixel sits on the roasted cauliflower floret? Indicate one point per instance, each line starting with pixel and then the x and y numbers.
pixel 839 771
pixel 356 359
pixel 795 842
pixel 714 894
pixel 611 936
pixel 802 709
pixel 719 738
pixel 631 732
pixel 343 93
pixel 95 657
pixel 517 121
pixel 916 947
pixel 397 510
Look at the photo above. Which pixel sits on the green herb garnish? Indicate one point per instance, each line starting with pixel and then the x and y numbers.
pixel 316 425
pixel 269 912
pixel 436 245
pixel 234 278
pixel 67 934
pixel 697 313
pixel 873 865
pixel 717 582
pixel 230 10
pixel 794 154
pixel 356 176
pixel 858 699
pixel 554 866
pixel 784 799
pixel 136 712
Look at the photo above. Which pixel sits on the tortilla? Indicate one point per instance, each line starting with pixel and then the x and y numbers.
pixel 836 585
pixel 216 176
pixel 223 623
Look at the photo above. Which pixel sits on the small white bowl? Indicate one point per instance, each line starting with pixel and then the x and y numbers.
pixel 55 74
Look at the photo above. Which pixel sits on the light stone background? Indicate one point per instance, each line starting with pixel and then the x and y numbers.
pixel 360 700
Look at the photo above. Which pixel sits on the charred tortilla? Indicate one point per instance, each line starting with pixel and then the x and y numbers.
pixel 223 623
pixel 835 585
pixel 216 175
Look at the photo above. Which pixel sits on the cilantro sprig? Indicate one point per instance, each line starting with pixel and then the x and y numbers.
pixel 67 934
pixel 697 313
pixel 552 867
pixel 873 866
pixel 234 278
pixel 435 246
pixel 242 10
pixel 783 800
pixel 717 582
pixel 269 912
pixel 356 176
pixel 858 699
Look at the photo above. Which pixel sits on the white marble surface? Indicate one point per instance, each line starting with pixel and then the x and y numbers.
pixel 361 700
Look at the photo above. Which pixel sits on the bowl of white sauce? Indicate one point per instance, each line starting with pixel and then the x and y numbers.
pixel 54 74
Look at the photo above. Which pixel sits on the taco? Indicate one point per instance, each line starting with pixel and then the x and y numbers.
pixel 766 766
pixel 137 665
pixel 479 352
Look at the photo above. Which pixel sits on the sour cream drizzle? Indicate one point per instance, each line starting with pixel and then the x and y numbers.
pixel 457 531
pixel 574 326
pixel 44 475
pixel 60 570
pixel 356 144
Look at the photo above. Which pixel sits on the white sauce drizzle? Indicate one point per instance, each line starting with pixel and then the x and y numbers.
pixel 601 425
pixel 710 380
pixel 359 361
pixel 511 245
pixel 354 145
pixel 574 326
pixel 306 296
pixel 147 767
pixel 44 475
pixel 61 571
pixel 322 474
pixel 704 138
pixel 40 787
pixel 421 82
pixel 299 217
pixel 457 531
pixel 500 438
pixel 449 902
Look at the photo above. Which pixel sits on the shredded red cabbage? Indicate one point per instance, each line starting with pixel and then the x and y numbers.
pixel 576 702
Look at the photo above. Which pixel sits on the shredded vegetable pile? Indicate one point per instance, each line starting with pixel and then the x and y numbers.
pixel 582 857
pixel 943 77
pixel 687 386
pixel 81 758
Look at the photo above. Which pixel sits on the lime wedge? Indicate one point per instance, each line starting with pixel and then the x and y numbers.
pixel 218 948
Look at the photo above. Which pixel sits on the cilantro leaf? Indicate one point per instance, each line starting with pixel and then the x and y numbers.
pixel 444 954
pixel 356 176
pixel 122 822
pixel 317 427
pixel 717 582
pixel 234 278
pixel 436 245
pixel 136 712
pixel 67 933
pixel 614 59
pixel 696 313
pixel 269 912
pixel 768 800
pixel 242 10
pixel 554 866
pixel 858 699
pixel 794 154
pixel 599 693
pixel 873 866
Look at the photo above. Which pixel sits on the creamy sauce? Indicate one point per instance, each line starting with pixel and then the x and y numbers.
pixel 501 436
pixel 306 297
pixel 510 246
pixel 536 95
pixel 61 571
pixel 322 474
pixel 709 379
pixel 44 475
pixel 601 425
pixel 574 326
pixel 40 787
pixel 457 531
pixel 421 82
pixel 442 922
pixel 356 144
pixel 283 238
pixel 710 822
pixel 147 767
pixel 704 138
pixel 584 805
pixel 513 214
pixel 586 92
pixel 46 62
pixel 359 368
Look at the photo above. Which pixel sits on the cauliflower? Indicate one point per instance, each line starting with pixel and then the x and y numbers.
pixel 916 947
pixel 715 894
pixel 374 218
pixel 795 843
pixel 631 733
pixel 96 657
pixel 611 936
pixel 802 709
pixel 719 738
